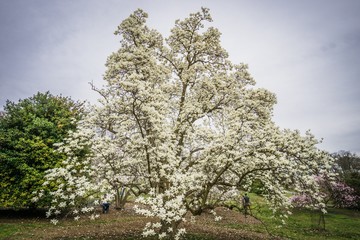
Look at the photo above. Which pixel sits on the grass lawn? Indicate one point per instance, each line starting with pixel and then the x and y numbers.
pixel 302 224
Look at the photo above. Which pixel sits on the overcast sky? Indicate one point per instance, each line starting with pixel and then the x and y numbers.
pixel 306 52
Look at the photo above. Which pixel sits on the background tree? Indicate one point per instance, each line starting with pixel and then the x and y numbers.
pixel 335 194
pixel 184 128
pixel 349 170
pixel 28 131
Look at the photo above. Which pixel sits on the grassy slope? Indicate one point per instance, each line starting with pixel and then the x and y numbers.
pixel 303 224
pixel 340 224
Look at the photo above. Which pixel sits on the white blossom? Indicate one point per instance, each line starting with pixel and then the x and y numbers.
pixel 54 221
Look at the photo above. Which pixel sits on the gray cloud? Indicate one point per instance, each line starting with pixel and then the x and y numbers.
pixel 306 52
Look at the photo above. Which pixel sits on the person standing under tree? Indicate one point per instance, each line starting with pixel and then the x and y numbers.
pixel 246 204
pixel 105 204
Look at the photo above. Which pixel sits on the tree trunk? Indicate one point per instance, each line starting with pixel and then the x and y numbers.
pixel 121 197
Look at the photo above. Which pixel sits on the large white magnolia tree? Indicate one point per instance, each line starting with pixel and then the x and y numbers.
pixel 183 129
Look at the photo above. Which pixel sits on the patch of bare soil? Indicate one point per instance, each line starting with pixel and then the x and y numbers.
pixel 205 224
pixel 126 224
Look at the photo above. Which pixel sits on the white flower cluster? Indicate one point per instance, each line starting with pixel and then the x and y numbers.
pixel 169 208
pixel 217 218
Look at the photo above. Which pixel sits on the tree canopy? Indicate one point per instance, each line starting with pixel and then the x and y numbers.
pixel 28 131
pixel 183 129
pixel 349 170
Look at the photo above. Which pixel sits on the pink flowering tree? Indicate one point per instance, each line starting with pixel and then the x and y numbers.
pixel 183 128
pixel 334 193
pixel 342 195
pixel 337 193
pixel 349 170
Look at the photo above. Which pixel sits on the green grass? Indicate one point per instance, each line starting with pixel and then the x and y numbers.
pixel 8 230
pixel 303 224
